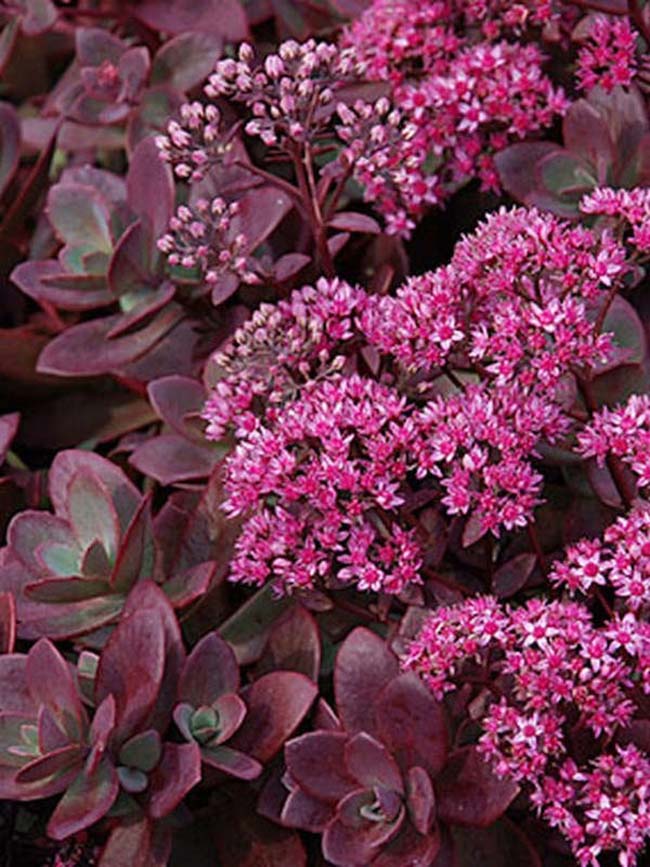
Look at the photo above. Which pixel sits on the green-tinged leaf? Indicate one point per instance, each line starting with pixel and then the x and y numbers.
pixel 246 630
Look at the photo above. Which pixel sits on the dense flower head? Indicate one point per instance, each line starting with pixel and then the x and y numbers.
pixel 319 491
pixel 608 57
pixel 205 237
pixel 479 443
pixel 553 673
pixel 623 432
pixel 277 351
pixel 630 207
pixel 490 94
pixel 515 299
pixel 195 143
pixel 387 154
pixel 620 560
pixel 288 91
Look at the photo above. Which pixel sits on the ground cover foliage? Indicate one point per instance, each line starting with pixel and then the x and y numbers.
pixel 324 433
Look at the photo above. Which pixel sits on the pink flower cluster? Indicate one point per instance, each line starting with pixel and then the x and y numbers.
pixel 289 91
pixel 631 207
pixel 464 99
pixel 386 152
pixel 195 143
pixel 516 300
pixel 319 490
pixel 556 680
pixel 608 57
pixel 623 432
pixel 479 442
pixel 621 560
pixel 281 348
pixel 490 95
pixel 205 237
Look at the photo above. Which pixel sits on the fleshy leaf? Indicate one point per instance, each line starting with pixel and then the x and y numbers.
pixel 316 762
pixel 231 762
pixel 470 793
pixel 210 671
pixel 51 683
pixel 277 703
pixel 177 773
pixel 86 801
pixel 364 666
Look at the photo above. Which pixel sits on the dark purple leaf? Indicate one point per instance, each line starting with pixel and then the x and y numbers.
pixel 8 429
pixel 349 221
pixel 85 802
pixel 80 217
pixel 131 269
pixel 150 188
pixel 176 397
pixel 501 845
pixel 353 839
pixel 223 18
pixel 412 724
pixel 370 763
pixel 186 60
pixel 628 336
pixel 14 694
pixel 247 629
pixel 64 590
pixel 7 622
pixel 55 764
pixel 294 644
pixel 48 281
pixel 300 810
pixel 137 843
pixel 289 265
pixel 52 684
pixel 364 666
pixel 409 847
pixel 9 144
pixel 513 575
pixel 85 349
pixel 131 669
pixel 421 799
pixel 147 305
pixel 135 558
pixel 316 763
pixel 260 211
pixel 470 793
pixel 231 762
pixel 210 671
pixel 170 458
pixel 178 771
pixel 277 703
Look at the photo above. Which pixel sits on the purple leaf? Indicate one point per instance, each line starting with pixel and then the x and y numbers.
pixel 231 762
pixel 501 845
pixel 316 763
pixel 58 763
pixel 91 512
pixel 137 843
pixel 150 188
pixel 96 45
pixel 412 724
pixel 8 429
pixel 64 590
pixel 176 397
pixel 9 144
pixel 135 558
pixel 148 304
pixel 170 458
pixel 364 666
pixel 131 268
pixel 131 670
pixel 628 336
pixel 210 671
pixel 409 847
pixel 289 265
pixel 47 280
pixel 294 644
pixel 353 839
pixel 421 799
pixel 7 622
pixel 370 763
pixel 224 18
pixel 73 619
pixel 52 684
pixel 124 495
pixel 470 793
pixel 260 211
pixel 277 703
pixel 177 773
pixel 80 217
pixel 300 810
pixel 14 694
pixel 512 575
pixel 349 221
pixel 85 349
pixel 85 802
pixel 184 61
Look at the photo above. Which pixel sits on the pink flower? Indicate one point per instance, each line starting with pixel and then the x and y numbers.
pixel 608 57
